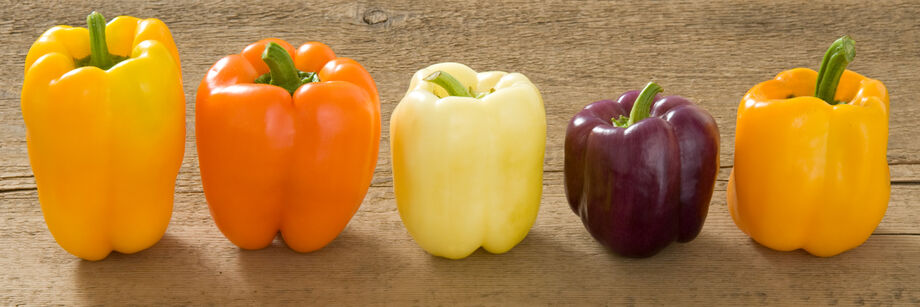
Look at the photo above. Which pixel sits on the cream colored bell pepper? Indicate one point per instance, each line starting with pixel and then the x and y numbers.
pixel 468 165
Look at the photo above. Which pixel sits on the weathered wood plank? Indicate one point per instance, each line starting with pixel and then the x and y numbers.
pixel 709 51
pixel 376 258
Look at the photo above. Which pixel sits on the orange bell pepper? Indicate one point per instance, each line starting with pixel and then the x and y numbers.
pixel 282 151
pixel 810 158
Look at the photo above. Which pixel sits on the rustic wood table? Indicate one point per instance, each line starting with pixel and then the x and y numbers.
pixel 576 53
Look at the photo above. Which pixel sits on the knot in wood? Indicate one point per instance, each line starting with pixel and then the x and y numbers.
pixel 375 16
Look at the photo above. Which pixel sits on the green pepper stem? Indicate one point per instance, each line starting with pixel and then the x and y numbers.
pixel 835 61
pixel 641 107
pixel 449 83
pixel 281 66
pixel 99 51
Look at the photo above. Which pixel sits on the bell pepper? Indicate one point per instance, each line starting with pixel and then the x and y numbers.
pixel 105 119
pixel 467 153
pixel 286 144
pixel 643 181
pixel 810 158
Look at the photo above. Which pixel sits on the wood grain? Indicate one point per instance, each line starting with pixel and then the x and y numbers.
pixel 576 52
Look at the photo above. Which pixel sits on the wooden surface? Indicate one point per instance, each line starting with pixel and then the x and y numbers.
pixel 576 53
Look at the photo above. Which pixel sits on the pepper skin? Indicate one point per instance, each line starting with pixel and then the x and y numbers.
pixel 468 171
pixel 809 174
pixel 105 143
pixel 296 158
pixel 638 186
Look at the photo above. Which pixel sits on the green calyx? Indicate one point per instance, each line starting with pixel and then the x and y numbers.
pixel 452 85
pixel 99 55
pixel 835 62
pixel 282 72
pixel 641 108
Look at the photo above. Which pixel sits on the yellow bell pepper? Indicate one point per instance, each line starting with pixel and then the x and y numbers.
pixel 467 153
pixel 810 166
pixel 105 116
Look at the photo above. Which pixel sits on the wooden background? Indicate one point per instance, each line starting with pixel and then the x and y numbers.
pixel 576 53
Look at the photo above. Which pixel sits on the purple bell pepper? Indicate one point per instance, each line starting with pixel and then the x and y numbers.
pixel 643 181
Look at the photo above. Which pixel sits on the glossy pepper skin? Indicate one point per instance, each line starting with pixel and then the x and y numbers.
pixel 275 161
pixel 105 145
pixel 641 187
pixel 467 171
pixel 809 174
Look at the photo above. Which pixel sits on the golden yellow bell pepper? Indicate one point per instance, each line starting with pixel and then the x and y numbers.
pixel 105 117
pixel 467 153
pixel 811 172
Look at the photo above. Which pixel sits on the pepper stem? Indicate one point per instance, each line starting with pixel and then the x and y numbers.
pixel 449 83
pixel 835 61
pixel 99 51
pixel 641 108
pixel 281 66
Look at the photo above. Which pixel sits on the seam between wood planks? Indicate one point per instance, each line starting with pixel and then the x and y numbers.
pixel 18 189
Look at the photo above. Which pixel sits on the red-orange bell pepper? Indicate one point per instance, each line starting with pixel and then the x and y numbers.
pixel 282 151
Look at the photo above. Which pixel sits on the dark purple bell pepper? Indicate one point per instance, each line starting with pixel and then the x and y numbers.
pixel 641 177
